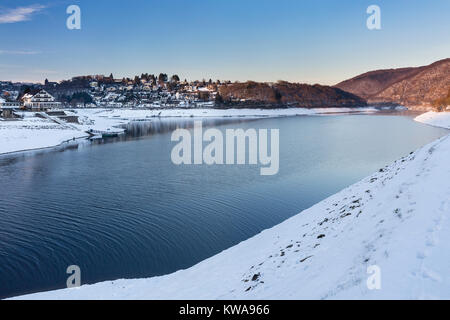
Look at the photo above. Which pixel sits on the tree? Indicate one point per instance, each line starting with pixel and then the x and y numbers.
pixel 441 104
pixel 79 97
pixel 170 86
pixel 162 77
pixel 278 96
pixel 219 99
pixel 26 89
pixel 175 78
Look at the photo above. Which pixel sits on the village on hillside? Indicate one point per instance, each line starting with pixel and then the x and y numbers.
pixel 145 91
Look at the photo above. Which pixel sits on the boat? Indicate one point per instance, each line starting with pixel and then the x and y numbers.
pixel 109 134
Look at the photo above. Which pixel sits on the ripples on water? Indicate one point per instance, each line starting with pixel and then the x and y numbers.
pixel 123 210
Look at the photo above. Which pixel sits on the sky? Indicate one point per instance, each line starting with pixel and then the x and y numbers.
pixel 306 41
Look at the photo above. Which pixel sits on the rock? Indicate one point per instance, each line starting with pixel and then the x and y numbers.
pixel 256 277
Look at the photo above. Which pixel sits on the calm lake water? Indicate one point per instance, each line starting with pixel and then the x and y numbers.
pixel 123 210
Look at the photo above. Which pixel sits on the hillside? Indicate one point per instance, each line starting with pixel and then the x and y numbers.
pixel 413 87
pixel 369 84
pixel 283 94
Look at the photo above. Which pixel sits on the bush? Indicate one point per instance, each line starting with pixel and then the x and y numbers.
pixel 441 104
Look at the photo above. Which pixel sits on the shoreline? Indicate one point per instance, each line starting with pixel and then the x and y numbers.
pixel 110 120
pixel 404 238
pixel 33 134
pixel 18 152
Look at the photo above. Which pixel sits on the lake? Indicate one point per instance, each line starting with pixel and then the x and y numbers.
pixel 121 209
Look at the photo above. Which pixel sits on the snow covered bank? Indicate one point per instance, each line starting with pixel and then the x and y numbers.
pixel 34 133
pixel 396 219
pixel 437 119
pixel 141 114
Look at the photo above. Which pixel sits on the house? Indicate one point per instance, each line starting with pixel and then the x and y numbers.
pixel 26 98
pixel 7 108
pixel 40 101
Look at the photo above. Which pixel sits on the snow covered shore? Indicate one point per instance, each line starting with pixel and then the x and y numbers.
pixel 140 114
pixel 437 119
pixel 34 133
pixel 396 219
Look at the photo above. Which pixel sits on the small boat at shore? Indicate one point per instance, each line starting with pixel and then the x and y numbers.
pixel 110 135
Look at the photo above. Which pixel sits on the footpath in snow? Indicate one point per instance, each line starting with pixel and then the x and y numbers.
pixel 397 219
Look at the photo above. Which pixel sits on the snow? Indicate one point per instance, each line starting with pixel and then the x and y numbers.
pixel 134 114
pixel 396 219
pixel 437 119
pixel 34 133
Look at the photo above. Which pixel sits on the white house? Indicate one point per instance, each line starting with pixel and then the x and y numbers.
pixel 40 101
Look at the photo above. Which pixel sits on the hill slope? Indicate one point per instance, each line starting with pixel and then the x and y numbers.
pixel 412 87
pixel 282 94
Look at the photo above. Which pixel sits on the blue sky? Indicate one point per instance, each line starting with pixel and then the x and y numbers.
pixel 320 41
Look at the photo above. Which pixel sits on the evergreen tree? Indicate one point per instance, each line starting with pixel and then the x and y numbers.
pixel 162 77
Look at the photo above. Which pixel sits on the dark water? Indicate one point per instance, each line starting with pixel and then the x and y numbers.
pixel 123 210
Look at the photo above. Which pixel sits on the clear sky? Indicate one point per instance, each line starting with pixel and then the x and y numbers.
pixel 319 41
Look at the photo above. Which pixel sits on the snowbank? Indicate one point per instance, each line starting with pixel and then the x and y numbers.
pixel 34 133
pixel 139 114
pixel 396 219
pixel 438 119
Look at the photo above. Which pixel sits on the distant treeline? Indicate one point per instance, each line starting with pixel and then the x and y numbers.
pixel 77 98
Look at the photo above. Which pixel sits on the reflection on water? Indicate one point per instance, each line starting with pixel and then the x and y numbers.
pixel 147 128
